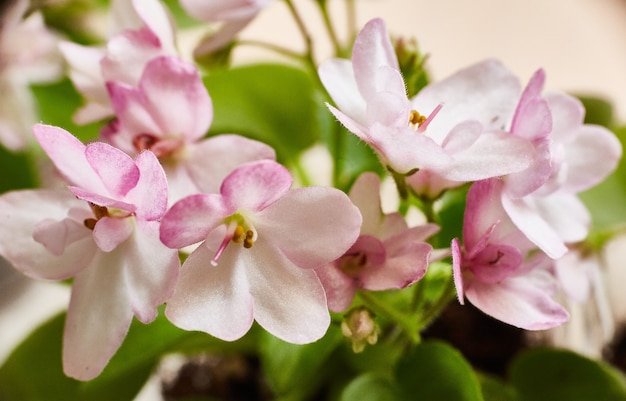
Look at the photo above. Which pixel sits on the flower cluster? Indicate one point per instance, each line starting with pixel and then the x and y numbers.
pixel 255 247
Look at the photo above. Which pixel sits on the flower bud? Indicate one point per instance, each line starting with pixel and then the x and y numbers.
pixel 358 325
pixel 411 62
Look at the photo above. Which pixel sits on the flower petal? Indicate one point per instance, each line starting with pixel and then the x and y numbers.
pixel 97 320
pixel 116 169
pixel 311 226
pixel 150 192
pixel 177 99
pixel 130 106
pixel 255 186
pixel 110 232
pixel 289 302
pixel 211 160
pixel 337 76
pixel 518 301
pixel 68 155
pixel 339 288
pixel 102 200
pixel 151 270
pixel 457 273
pixel 191 219
pixel 213 299
pixel 22 211
pixel 372 50
pixel 365 194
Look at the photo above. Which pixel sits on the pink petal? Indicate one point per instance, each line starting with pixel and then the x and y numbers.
pixel 388 107
pixel 116 169
pixel 404 149
pixel 491 155
pixel 406 263
pixel 68 155
pixel 155 16
pixel 22 211
pixel 150 193
pixel 102 200
pixel 486 92
pixel 527 181
pixel 339 288
pixel 495 262
pixel 289 302
pixel 151 270
pixel 365 194
pixel 177 99
pixel 191 219
pixel 532 119
pixel 532 224
pixel 210 161
pixel 255 186
pixel 98 318
pixel 372 50
pixel 57 235
pixel 132 111
pixel 223 10
pixel 215 300
pixel 457 272
pixel 312 226
pixel 337 76
pixel 566 214
pixel 518 301
pixel 110 232
pixel 226 33
pixel 127 55
pixel 351 125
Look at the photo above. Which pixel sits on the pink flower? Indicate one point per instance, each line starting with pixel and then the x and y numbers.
pixel 169 112
pixel 142 31
pixel 104 232
pixel 569 157
pixel 387 255
pixel 233 14
pixel 498 269
pixel 260 242
pixel 452 128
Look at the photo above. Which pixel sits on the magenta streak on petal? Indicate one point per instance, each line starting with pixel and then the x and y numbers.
pixel 227 238
pixel 430 118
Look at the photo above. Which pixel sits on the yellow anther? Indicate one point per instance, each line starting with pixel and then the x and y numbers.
pixel 238 234
pixel 249 240
pixel 415 118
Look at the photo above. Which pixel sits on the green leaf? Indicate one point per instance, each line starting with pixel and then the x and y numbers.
pixel 34 371
pixel 549 374
pixel 436 371
pixel 597 110
pixel 16 171
pixel 275 104
pixel 292 370
pixel 370 387
pixel 496 390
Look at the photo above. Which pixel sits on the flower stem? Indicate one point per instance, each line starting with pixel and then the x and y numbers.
pixel 308 40
pixel 435 309
pixel 330 28
pixel 275 48
pixel 381 308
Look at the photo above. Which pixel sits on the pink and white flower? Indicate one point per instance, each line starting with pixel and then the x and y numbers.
pixel 498 269
pixel 234 15
pixel 387 255
pixel 260 242
pixel 570 157
pixel 452 128
pixel 169 113
pixel 103 232
pixel 142 30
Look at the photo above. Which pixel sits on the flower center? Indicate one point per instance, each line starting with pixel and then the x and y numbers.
pixel 352 264
pixel 161 147
pixel 420 122
pixel 238 230
pixel 100 212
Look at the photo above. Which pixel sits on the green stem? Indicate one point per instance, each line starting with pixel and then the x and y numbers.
pixel 381 308
pixel 308 39
pixel 278 49
pixel 330 28
pixel 434 310
pixel 351 20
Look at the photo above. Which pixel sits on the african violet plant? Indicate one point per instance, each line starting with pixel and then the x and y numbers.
pixel 184 217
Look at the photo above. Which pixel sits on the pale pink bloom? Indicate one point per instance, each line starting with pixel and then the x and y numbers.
pixel 169 113
pixel 387 255
pixel 142 31
pixel 454 128
pixel 498 269
pixel 27 55
pixel 542 200
pixel 103 232
pixel 234 15
pixel 260 244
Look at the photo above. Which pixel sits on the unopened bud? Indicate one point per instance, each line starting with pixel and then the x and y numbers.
pixel 358 325
pixel 411 62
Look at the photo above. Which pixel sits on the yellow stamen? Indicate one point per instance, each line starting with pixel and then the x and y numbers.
pixel 238 234
pixel 415 118
pixel 249 240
